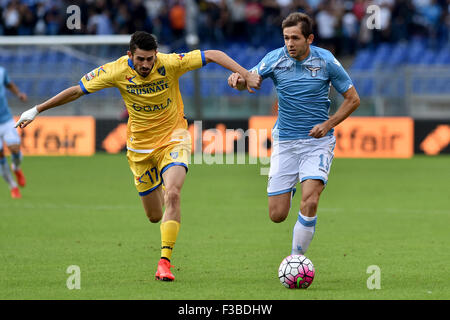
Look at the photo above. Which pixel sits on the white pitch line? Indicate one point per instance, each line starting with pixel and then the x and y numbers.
pixel 69 206
pixel 388 210
pixel 138 207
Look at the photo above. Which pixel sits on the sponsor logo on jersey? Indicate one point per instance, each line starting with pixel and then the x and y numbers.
pixel 151 108
pixel 174 155
pixel 181 56
pixel 147 88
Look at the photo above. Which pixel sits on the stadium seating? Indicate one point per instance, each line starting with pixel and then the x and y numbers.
pixel 381 70
pixel 45 72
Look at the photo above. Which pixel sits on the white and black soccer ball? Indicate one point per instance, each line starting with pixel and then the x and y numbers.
pixel 296 272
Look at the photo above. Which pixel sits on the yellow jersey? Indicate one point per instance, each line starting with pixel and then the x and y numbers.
pixel 154 103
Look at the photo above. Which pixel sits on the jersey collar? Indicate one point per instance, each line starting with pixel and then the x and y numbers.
pixel 295 60
pixel 130 63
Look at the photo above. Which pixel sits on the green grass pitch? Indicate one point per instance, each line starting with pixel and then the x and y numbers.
pixel 85 211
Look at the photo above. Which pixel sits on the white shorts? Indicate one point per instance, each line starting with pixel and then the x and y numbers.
pixel 294 161
pixel 8 134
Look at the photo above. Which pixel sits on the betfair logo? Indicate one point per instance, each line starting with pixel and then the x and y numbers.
pixel 151 108
pixel 437 140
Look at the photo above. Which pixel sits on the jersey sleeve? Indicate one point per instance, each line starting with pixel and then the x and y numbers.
pixel 264 67
pixel 6 80
pixel 184 62
pixel 339 77
pixel 99 78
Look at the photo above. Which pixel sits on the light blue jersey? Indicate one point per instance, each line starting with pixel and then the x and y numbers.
pixel 302 89
pixel 5 113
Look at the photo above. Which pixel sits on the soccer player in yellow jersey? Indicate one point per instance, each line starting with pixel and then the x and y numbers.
pixel 158 142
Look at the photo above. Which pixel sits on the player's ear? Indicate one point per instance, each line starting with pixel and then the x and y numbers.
pixel 310 39
pixel 130 55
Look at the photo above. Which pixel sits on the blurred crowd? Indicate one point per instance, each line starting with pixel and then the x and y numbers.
pixel 340 25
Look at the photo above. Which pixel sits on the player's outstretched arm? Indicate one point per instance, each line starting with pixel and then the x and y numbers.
pixel 66 96
pixel 252 80
pixel 15 90
pixel 350 103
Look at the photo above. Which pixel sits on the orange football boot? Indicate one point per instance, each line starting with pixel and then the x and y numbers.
pixel 163 272
pixel 20 177
pixel 15 193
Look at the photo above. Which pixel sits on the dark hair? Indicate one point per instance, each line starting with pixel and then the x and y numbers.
pixel 142 40
pixel 299 18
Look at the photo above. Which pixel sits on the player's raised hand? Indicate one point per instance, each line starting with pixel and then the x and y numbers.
pixel 253 81
pixel 26 117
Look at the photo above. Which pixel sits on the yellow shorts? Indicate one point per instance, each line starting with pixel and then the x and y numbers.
pixel 148 168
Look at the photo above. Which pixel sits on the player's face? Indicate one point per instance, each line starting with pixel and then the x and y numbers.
pixel 296 43
pixel 143 61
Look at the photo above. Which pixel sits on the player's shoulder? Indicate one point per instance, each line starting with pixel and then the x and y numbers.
pixel 169 57
pixel 120 63
pixel 274 58
pixel 321 52
pixel 324 54
pixel 275 55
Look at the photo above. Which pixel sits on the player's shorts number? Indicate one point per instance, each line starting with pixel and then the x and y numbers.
pixel 155 174
pixel 324 164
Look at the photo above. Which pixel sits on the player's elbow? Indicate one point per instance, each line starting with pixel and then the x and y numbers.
pixel 77 91
pixel 356 102
pixel 212 55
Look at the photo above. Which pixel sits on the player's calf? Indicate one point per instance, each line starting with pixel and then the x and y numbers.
pixel 309 205
pixel 311 190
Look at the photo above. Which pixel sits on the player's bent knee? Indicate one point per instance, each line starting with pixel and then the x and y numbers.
pixel 154 215
pixel 154 218
pixel 278 214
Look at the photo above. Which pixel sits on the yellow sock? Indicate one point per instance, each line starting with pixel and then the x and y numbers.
pixel 169 233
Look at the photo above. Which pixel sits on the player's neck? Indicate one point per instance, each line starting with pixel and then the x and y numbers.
pixel 304 56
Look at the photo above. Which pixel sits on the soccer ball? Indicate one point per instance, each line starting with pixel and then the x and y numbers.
pixel 296 271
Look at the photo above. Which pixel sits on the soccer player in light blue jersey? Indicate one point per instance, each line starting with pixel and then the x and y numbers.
pixel 9 136
pixel 303 140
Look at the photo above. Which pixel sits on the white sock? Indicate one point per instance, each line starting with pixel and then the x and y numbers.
pixel 303 233
pixel 5 172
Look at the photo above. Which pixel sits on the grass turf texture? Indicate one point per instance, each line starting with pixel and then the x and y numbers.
pixel 85 211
